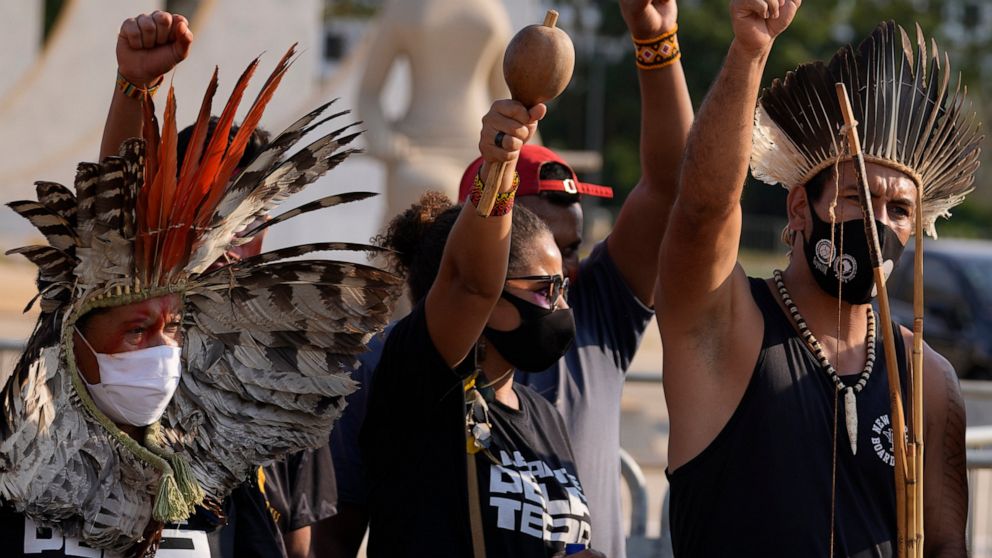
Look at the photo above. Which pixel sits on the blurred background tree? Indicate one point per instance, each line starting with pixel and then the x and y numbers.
pixel 600 110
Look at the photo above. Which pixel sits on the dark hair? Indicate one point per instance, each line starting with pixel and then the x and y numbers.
pixel 557 171
pixel 256 143
pixel 816 185
pixel 418 235
pixel 83 322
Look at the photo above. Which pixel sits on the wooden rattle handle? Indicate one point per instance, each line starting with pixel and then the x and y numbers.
pixel 491 188
pixel 551 78
pixel 551 18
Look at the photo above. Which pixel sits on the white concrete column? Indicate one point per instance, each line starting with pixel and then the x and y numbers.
pixel 20 42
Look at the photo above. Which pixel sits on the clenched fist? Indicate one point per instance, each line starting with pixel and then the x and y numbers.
pixel 150 45
pixel 647 19
pixel 757 22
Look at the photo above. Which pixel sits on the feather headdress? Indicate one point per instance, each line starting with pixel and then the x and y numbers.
pixel 909 119
pixel 269 341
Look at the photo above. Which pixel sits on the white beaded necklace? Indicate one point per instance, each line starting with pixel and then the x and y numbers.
pixel 850 402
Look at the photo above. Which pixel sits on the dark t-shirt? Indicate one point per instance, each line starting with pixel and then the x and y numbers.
pixel 250 532
pixel 763 486
pixel 586 387
pixel 249 529
pixel 301 489
pixel 20 537
pixel 414 447
pixel 288 495
pixel 349 466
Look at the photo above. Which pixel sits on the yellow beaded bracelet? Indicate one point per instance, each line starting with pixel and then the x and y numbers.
pixel 135 92
pixel 658 52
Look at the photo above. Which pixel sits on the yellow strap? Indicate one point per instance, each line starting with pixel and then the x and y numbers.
pixel 474 502
pixel 469 383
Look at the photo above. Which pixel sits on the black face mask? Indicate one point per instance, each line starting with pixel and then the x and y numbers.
pixel 853 268
pixel 539 341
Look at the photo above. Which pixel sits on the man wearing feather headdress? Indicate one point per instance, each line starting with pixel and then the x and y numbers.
pixel 154 382
pixel 785 369
pixel 271 515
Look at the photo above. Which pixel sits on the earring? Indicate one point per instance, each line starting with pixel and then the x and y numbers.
pixel 788 236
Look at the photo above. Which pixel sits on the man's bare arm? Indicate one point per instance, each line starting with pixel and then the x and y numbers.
pixel 148 47
pixel 666 115
pixel 945 475
pixel 699 251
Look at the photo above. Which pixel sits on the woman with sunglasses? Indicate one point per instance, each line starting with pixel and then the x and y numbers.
pixel 461 461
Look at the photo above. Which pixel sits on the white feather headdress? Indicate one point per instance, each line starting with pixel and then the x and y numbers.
pixel 908 118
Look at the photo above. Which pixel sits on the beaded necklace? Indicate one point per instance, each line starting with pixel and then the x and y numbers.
pixel 850 401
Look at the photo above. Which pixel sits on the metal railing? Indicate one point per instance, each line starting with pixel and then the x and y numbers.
pixel 978 440
pixel 639 543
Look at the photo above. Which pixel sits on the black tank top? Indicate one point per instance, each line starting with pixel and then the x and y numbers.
pixel 762 487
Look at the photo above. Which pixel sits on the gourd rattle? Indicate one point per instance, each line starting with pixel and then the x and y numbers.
pixel 537 66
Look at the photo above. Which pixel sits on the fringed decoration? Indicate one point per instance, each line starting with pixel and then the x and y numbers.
pixel 169 505
pixel 186 482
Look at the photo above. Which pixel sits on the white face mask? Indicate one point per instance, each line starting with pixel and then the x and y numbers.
pixel 135 387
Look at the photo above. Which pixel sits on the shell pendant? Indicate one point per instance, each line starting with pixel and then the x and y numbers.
pixel 851 418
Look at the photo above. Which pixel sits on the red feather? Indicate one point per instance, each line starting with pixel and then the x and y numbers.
pixel 186 187
pixel 210 164
pixel 172 212
pixel 237 148
pixel 194 151
pixel 202 181
pixel 165 182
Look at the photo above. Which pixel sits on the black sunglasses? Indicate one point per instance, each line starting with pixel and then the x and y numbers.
pixel 557 288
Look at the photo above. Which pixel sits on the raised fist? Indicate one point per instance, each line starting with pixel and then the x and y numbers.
pixel 512 124
pixel 150 45
pixel 757 22
pixel 647 19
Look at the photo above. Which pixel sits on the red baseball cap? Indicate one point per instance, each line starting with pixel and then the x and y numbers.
pixel 532 157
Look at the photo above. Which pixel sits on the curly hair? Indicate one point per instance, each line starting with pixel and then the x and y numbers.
pixel 418 235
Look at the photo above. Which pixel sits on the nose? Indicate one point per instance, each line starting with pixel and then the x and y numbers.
pixel 161 337
pixel 880 209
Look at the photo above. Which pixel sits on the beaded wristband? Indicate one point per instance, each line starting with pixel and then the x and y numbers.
pixel 659 52
pixel 135 92
pixel 504 200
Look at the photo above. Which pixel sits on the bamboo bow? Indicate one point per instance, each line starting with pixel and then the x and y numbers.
pixel 908 455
